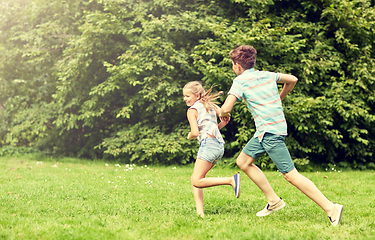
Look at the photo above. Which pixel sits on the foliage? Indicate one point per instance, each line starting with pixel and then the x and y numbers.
pixel 330 112
pixel 145 145
pixel 33 35
pixel 18 151
pixel 103 78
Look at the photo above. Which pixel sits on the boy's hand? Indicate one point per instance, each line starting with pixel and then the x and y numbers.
pixel 224 115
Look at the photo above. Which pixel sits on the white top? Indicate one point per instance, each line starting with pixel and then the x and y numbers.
pixel 207 122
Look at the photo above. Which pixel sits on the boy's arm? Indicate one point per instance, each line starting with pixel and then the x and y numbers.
pixel 192 116
pixel 223 120
pixel 227 106
pixel 289 83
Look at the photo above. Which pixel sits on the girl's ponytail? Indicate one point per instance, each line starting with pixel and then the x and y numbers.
pixel 206 98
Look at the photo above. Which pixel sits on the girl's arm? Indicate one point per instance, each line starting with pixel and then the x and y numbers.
pixel 289 83
pixel 192 116
pixel 223 121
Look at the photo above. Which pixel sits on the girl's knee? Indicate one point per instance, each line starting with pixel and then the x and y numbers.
pixel 195 180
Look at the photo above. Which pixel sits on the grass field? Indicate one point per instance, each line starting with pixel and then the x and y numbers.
pixel 75 199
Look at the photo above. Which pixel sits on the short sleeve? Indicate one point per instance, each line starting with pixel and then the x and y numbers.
pixel 195 106
pixel 277 77
pixel 236 90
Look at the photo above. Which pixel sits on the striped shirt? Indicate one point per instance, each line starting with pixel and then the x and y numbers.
pixel 260 92
pixel 207 122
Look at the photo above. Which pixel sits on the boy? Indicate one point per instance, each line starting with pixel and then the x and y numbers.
pixel 259 90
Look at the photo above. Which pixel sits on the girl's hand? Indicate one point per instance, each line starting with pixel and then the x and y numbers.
pixel 225 120
pixel 190 136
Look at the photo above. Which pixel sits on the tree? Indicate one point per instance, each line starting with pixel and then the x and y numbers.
pixel 33 37
pixel 104 78
pixel 328 45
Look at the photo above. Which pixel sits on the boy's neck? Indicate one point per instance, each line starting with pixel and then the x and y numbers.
pixel 243 70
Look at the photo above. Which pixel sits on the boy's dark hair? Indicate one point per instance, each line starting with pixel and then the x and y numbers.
pixel 244 55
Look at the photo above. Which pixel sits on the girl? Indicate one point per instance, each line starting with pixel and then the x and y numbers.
pixel 202 116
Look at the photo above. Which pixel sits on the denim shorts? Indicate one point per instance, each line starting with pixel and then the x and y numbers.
pixel 210 150
pixel 274 146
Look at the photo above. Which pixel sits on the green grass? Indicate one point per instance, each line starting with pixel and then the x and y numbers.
pixel 73 199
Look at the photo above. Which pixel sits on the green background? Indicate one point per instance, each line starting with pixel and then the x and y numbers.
pixel 103 79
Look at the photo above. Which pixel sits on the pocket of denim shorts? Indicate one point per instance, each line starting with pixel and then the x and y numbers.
pixel 203 141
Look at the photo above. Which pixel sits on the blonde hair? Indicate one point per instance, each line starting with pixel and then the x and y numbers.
pixel 206 98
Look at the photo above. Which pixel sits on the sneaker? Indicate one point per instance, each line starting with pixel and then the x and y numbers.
pixel 237 185
pixel 336 215
pixel 271 208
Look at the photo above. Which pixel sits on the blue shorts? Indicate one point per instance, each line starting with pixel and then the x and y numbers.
pixel 274 146
pixel 210 150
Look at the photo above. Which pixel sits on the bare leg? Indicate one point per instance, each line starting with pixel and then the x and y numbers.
pixel 198 178
pixel 198 198
pixel 199 181
pixel 245 162
pixel 306 186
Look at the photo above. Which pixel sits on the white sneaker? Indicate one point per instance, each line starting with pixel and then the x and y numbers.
pixel 271 208
pixel 335 219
